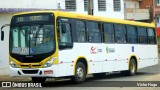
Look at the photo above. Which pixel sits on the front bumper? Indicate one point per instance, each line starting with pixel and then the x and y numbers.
pixel 35 72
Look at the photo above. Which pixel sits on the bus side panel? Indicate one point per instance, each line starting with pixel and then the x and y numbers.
pixel 106 57
pixel 66 66
pixel 147 55
pixel 70 56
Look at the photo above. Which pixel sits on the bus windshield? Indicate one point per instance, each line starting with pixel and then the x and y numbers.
pixel 32 39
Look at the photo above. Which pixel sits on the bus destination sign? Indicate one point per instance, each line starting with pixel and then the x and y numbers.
pixel 35 18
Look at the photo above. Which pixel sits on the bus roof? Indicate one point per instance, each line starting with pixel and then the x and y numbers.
pixel 95 18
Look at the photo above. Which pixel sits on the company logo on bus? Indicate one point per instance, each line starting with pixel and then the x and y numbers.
pixel 95 50
pixel 30 65
pixel 110 50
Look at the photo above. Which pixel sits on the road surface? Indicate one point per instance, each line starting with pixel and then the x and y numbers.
pixel 111 79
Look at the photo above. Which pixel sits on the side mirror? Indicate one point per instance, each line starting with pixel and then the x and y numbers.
pixel 2 32
pixel 2 35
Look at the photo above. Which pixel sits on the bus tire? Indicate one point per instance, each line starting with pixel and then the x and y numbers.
pixel 38 79
pixel 132 68
pixel 80 73
pixel 97 75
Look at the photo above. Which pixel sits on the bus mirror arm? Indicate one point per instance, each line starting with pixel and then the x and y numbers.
pixel 2 32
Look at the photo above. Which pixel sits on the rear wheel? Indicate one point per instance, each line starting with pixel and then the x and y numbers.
pixel 80 73
pixel 132 68
pixel 38 79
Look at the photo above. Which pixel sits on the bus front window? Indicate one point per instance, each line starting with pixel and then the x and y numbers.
pixel 32 40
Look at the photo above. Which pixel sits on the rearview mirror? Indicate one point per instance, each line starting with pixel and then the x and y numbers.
pixel 2 32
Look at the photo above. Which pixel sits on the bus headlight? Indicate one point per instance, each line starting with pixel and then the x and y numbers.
pixel 49 63
pixel 13 64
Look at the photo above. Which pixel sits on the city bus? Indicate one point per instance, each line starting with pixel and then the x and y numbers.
pixel 46 44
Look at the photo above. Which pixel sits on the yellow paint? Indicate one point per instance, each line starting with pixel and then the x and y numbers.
pixel 95 18
pixel 104 19
pixel 75 62
pixel 130 60
pixel 32 64
pixel 56 39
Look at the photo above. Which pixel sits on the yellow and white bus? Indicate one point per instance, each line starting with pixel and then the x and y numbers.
pixel 45 44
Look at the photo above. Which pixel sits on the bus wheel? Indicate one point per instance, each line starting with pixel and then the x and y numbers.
pixel 80 73
pixel 132 68
pixel 97 75
pixel 38 79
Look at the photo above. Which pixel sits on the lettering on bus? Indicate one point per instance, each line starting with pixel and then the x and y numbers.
pixel 20 19
pixel 110 50
pixel 36 18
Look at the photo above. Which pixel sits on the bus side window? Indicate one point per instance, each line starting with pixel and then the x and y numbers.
pixel 142 35
pixel 151 36
pixel 108 33
pixel 120 33
pixel 94 32
pixel 64 35
pixel 81 32
pixel 132 37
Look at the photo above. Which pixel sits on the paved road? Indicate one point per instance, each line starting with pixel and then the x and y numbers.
pixel 147 74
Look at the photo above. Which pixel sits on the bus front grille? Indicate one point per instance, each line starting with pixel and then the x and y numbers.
pixel 29 66
pixel 30 71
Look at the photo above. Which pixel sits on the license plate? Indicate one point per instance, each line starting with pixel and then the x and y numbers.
pixel 48 72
